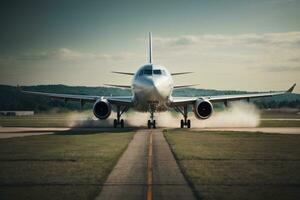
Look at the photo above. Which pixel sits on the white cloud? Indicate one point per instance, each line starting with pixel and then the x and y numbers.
pixel 287 39
pixel 246 50
pixel 283 69
pixel 68 54
pixel 242 61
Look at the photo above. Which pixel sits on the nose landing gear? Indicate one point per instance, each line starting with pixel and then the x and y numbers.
pixel 153 124
pixel 151 121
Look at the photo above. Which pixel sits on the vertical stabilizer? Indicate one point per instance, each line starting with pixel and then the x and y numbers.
pixel 150 47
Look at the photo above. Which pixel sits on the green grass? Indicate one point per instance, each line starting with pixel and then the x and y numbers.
pixel 238 165
pixel 280 118
pixel 283 114
pixel 69 165
pixel 279 123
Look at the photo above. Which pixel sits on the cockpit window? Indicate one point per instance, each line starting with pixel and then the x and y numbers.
pixel 157 72
pixel 148 72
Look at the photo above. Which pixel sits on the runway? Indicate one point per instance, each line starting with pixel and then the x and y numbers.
pixel 280 130
pixel 146 170
pixel 11 132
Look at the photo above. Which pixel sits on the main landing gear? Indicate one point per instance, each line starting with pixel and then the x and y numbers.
pixel 184 122
pixel 120 121
pixel 151 121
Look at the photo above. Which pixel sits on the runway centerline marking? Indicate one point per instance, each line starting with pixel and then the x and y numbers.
pixel 150 168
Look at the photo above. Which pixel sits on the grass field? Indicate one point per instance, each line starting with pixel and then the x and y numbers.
pixel 280 118
pixel 236 165
pixel 68 165
pixel 279 123
pixel 280 113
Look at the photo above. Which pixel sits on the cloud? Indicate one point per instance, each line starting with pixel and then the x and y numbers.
pixel 274 39
pixel 283 69
pixel 119 56
pixel 66 54
pixel 58 54
pixel 248 51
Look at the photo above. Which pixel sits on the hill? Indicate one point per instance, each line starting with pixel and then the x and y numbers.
pixel 12 99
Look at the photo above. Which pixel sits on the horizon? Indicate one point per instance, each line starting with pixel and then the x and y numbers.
pixel 104 86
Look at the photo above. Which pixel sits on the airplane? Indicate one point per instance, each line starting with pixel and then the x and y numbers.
pixel 152 88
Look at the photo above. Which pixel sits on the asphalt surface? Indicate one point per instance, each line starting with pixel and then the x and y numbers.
pixel 10 132
pixel 280 130
pixel 146 170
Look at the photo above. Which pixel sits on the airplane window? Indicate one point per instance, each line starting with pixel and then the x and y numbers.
pixel 157 71
pixel 148 72
pixel 141 73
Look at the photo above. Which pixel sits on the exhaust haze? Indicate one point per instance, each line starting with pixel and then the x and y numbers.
pixel 238 114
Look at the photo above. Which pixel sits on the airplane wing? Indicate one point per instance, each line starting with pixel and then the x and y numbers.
pixel 118 100
pixel 65 96
pixel 122 100
pixel 119 86
pixel 180 101
pixel 124 73
pixel 180 73
pixel 184 86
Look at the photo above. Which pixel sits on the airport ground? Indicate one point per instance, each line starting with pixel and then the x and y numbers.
pixel 80 163
pixel 269 118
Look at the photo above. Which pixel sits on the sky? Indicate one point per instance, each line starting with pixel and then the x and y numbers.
pixel 230 45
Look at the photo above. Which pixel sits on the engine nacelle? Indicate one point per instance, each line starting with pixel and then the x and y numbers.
pixel 203 109
pixel 102 109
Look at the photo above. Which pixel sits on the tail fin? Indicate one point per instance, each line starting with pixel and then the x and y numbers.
pixel 150 47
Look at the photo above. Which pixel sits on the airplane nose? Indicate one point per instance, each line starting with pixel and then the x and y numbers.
pixel 151 85
pixel 155 87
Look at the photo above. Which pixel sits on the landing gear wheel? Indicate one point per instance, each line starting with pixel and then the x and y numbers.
pixel 185 123
pixel 115 123
pixel 122 123
pixel 181 123
pixel 151 124
pixel 188 123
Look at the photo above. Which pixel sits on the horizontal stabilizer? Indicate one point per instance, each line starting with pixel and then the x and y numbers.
pixel 180 73
pixel 184 86
pixel 120 86
pixel 126 73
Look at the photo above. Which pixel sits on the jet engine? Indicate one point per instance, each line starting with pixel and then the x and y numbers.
pixel 102 109
pixel 203 109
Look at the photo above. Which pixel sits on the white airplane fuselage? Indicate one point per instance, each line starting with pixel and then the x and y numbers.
pixel 152 85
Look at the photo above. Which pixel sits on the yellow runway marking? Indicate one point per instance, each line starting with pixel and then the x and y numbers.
pixel 149 169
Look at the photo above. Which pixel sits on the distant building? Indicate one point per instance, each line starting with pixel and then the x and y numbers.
pixel 16 113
